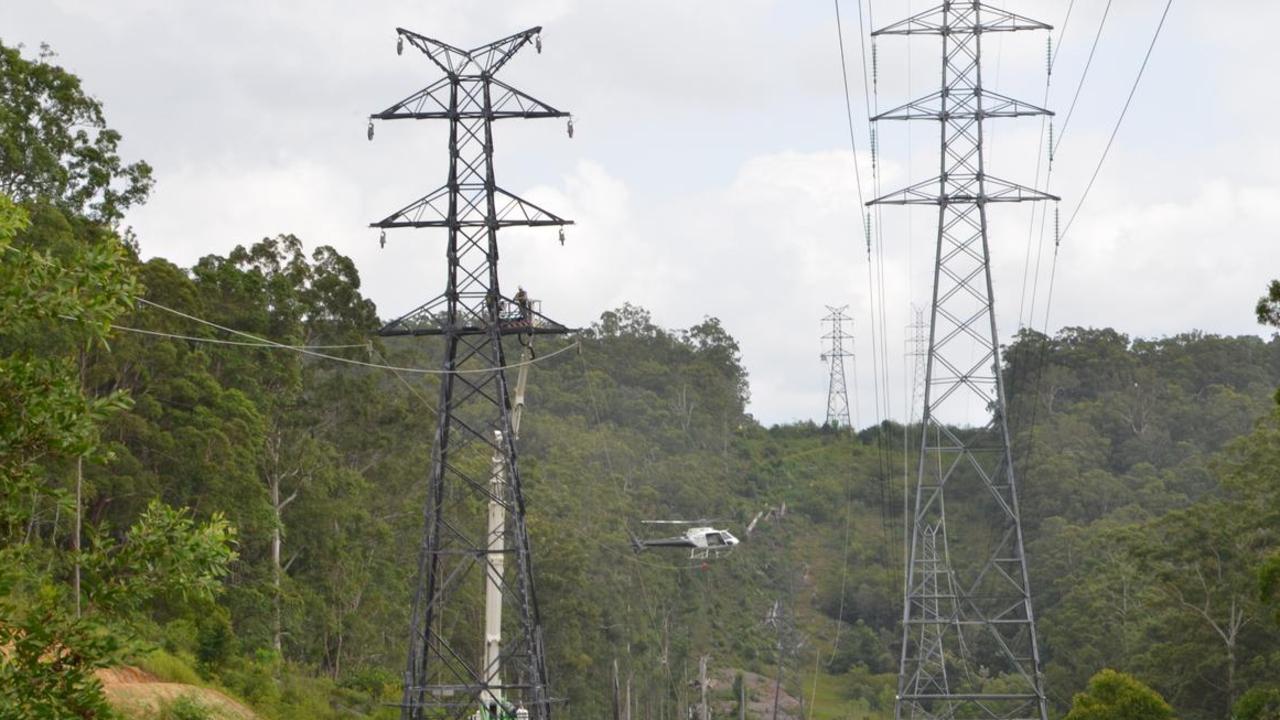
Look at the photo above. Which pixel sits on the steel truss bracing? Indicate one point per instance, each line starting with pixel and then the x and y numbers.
pixel 450 673
pixel 837 391
pixel 969 647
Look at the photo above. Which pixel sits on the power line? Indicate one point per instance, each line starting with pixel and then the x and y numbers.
pixel 880 341
pixel 1040 361
pixel 1115 130
pixel 1083 76
pixel 264 342
pixel 848 105
pixel 1053 268
pixel 1054 50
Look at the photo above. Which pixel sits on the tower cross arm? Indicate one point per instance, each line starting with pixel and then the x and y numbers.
pixel 433 102
pixel 469 209
pixel 485 59
pixel 968 188
pixel 949 20
pixel 962 105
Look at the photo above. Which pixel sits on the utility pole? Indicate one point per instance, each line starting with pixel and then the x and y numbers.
pixel 444 676
pixel 834 355
pixel 990 623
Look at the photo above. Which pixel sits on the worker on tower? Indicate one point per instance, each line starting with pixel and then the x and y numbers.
pixel 526 318
pixel 522 302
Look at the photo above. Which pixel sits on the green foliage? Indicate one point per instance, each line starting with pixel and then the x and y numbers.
pixel 1269 584
pixel 165 552
pixel 1114 695
pixel 1268 307
pixel 49 657
pixel 860 645
pixel 215 640
pixel 49 278
pixel 1258 704
pixel 55 145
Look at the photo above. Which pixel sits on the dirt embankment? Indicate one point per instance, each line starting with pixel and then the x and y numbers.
pixel 139 694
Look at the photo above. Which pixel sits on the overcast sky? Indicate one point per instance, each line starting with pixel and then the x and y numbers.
pixel 711 172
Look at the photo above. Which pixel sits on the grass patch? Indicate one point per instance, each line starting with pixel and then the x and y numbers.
pixel 169 667
pixel 843 697
pixel 185 707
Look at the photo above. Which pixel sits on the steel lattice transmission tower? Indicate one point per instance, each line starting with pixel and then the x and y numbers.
pixel 967 615
pixel 453 671
pixel 837 391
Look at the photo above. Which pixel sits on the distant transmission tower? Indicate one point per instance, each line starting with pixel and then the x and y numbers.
pixel 453 670
pixel 917 352
pixel 837 391
pixel 957 649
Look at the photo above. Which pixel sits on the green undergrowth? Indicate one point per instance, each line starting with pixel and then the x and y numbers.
pixel 273 689
pixel 853 695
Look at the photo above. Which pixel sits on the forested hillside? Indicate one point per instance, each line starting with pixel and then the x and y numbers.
pixel 180 496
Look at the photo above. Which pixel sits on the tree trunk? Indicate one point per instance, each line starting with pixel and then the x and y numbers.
pixel 75 538
pixel 277 630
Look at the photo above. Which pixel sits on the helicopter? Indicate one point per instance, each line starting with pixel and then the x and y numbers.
pixel 702 540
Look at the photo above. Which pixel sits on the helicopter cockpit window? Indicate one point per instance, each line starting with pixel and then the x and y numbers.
pixel 715 539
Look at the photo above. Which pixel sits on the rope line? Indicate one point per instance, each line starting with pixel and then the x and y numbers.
pixel 220 341
pixel 423 398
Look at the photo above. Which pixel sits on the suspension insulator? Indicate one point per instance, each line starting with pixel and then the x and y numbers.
pixel 370 132
pixel 875 64
pixel 399 44
pixel 382 239
pixel 1057 226
pixel 537 43
pixel 1048 55
pixel 569 128
pixel 1051 148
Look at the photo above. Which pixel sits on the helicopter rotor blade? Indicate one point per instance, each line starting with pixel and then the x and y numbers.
pixel 700 521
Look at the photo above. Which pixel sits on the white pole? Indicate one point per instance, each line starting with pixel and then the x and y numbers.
pixel 496 557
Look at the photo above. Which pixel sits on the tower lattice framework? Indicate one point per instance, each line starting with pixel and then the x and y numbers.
pixel 474 458
pixel 969 647
pixel 834 355
pixel 917 351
